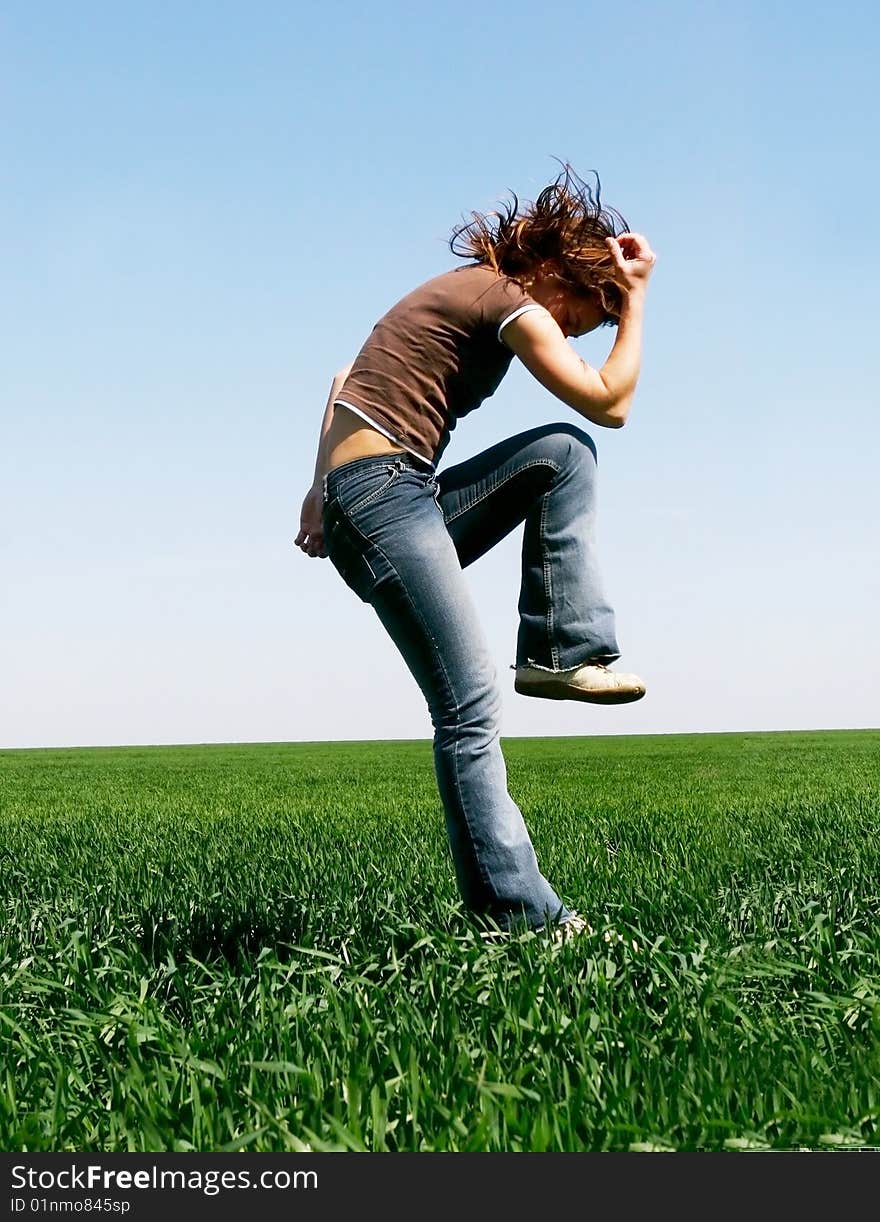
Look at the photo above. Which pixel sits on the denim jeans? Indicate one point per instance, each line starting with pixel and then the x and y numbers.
pixel 400 536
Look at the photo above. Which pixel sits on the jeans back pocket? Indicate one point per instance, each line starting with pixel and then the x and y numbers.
pixel 356 560
pixel 362 480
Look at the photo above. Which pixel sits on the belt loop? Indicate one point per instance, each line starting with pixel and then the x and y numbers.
pixel 324 485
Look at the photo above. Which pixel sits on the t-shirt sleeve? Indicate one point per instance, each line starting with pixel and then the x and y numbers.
pixel 505 301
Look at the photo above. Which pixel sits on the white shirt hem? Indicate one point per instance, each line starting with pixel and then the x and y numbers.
pixel 378 427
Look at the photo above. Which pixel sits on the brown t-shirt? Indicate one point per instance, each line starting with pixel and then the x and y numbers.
pixel 435 356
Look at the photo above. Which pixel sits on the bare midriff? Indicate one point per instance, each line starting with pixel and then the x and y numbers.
pixel 349 436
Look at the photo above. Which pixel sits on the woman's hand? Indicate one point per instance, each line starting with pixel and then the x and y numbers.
pixel 633 260
pixel 311 529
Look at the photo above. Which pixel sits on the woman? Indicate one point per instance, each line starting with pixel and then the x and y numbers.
pixel 399 532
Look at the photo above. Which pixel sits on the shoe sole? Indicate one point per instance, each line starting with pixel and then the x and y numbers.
pixel 555 689
pixel 558 936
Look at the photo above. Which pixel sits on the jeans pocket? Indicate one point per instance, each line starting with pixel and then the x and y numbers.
pixel 355 559
pixel 361 488
pixel 435 490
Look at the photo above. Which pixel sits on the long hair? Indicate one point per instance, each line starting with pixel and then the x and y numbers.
pixel 563 231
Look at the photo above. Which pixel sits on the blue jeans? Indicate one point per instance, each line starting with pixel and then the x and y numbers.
pixel 400 536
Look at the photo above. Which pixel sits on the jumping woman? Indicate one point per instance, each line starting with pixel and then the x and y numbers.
pixel 400 532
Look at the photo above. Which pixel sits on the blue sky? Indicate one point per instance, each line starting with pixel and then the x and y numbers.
pixel 206 207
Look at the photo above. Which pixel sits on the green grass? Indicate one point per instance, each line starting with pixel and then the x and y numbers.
pixel 261 947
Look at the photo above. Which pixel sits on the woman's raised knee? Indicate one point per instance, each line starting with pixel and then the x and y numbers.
pixel 568 445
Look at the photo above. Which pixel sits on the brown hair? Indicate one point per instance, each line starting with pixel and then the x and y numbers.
pixel 565 229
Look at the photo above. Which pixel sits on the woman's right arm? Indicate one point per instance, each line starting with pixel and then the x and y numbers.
pixel 310 537
pixel 321 458
pixel 604 396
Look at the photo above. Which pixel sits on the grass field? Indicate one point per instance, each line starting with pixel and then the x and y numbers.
pixel 261 947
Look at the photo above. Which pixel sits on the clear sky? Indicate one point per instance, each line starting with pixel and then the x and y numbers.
pixel 205 207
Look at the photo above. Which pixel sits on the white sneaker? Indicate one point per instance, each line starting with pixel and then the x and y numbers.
pixel 559 933
pixel 591 681
pixel 566 930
